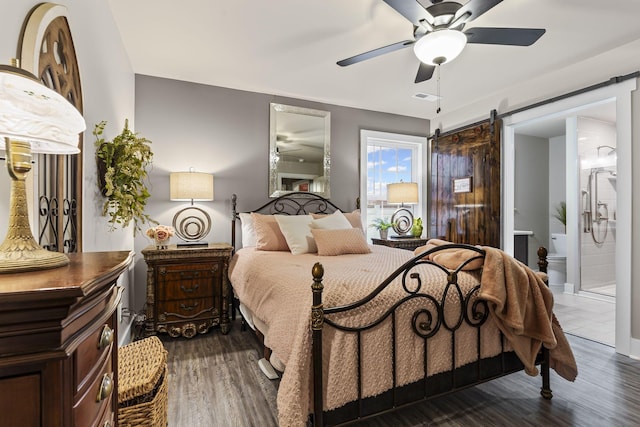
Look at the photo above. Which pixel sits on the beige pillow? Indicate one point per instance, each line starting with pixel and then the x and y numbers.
pixel 354 218
pixel 268 234
pixel 335 221
pixel 296 231
pixel 340 242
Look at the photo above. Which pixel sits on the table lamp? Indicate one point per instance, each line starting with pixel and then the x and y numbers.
pixel 401 193
pixel 191 223
pixel 33 119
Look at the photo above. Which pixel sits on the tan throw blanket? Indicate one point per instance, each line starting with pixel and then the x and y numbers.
pixel 522 306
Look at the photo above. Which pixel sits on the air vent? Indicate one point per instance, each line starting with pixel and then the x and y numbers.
pixel 425 97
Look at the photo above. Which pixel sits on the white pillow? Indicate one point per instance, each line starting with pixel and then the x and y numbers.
pixel 248 231
pixel 335 221
pixel 296 231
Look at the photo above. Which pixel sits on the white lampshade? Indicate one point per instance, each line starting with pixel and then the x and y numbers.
pixel 402 192
pixel 185 186
pixel 440 46
pixel 31 112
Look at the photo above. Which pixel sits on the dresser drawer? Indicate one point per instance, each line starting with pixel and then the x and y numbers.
pixel 187 309
pixel 98 397
pixel 187 281
pixel 90 352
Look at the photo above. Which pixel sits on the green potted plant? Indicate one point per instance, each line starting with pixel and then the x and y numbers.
pixel 122 172
pixel 561 214
pixel 382 225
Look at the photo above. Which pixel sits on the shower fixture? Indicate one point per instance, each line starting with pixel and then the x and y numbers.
pixel 612 149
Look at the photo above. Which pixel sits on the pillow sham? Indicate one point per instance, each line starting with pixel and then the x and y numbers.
pixel 335 221
pixel 354 218
pixel 340 241
pixel 296 231
pixel 248 231
pixel 268 234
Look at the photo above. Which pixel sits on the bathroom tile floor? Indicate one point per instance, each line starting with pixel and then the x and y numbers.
pixel 586 316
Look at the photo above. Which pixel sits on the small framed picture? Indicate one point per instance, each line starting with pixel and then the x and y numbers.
pixel 463 185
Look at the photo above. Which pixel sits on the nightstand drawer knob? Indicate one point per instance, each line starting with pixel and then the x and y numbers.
pixel 188 307
pixel 106 337
pixel 189 275
pixel 106 386
pixel 189 290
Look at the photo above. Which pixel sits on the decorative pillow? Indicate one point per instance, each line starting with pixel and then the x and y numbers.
pixel 296 231
pixel 354 218
pixel 268 234
pixel 340 242
pixel 335 221
pixel 248 231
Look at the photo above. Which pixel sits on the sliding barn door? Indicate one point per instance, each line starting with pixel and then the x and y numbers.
pixel 465 185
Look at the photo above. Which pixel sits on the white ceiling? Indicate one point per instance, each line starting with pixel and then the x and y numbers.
pixel 290 48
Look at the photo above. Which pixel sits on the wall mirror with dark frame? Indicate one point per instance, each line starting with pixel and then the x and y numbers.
pixel 299 150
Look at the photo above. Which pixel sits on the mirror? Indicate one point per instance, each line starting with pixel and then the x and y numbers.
pixel 298 150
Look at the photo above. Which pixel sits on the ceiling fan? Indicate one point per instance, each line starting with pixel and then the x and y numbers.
pixel 438 35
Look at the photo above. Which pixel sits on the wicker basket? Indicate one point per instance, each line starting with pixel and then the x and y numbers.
pixel 142 384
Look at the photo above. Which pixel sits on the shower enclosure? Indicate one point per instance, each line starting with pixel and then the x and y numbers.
pixel 598 206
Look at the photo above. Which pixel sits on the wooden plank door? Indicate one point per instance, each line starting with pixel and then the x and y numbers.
pixel 465 185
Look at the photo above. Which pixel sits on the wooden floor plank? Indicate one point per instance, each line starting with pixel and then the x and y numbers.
pixel 214 380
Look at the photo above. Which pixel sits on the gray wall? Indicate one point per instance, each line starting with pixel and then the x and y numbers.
pixel 532 191
pixel 226 132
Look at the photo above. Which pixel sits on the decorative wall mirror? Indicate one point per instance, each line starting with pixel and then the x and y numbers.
pixel 299 160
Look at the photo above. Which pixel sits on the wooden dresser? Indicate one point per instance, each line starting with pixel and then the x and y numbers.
pixel 187 289
pixel 58 343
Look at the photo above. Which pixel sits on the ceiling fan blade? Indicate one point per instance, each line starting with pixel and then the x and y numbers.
pixel 412 10
pixel 375 52
pixel 504 36
pixel 475 8
pixel 425 72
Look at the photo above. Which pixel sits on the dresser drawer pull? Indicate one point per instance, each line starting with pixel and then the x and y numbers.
pixel 106 337
pixel 189 290
pixel 106 386
pixel 189 307
pixel 189 275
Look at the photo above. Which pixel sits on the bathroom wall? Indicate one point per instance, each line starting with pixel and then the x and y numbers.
pixel 597 260
pixel 557 181
pixel 531 198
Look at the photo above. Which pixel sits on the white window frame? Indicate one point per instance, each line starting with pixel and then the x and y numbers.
pixel 419 169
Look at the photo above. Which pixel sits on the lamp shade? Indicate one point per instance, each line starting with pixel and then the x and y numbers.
pixel 402 192
pixel 31 112
pixel 190 186
pixel 440 46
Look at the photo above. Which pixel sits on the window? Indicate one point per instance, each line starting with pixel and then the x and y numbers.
pixel 386 158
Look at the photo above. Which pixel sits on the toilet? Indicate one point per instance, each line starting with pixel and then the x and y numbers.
pixel 557 258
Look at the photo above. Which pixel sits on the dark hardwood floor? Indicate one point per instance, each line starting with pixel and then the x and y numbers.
pixel 214 380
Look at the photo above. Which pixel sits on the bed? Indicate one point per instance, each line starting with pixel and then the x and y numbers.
pixel 358 329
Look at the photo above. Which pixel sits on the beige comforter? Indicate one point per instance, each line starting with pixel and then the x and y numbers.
pixel 275 286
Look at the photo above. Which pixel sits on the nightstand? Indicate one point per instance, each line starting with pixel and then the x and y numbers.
pixel 187 289
pixel 409 244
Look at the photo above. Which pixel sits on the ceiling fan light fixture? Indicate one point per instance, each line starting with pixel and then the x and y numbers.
pixel 440 46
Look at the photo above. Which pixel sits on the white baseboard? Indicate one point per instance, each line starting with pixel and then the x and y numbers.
pixel 635 349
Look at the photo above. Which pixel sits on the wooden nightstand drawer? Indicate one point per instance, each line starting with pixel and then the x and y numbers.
pixel 91 351
pixel 187 308
pixel 180 283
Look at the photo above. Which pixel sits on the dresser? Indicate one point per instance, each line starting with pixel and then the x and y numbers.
pixel 187 289
pixel 58 343
pixel 408 243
